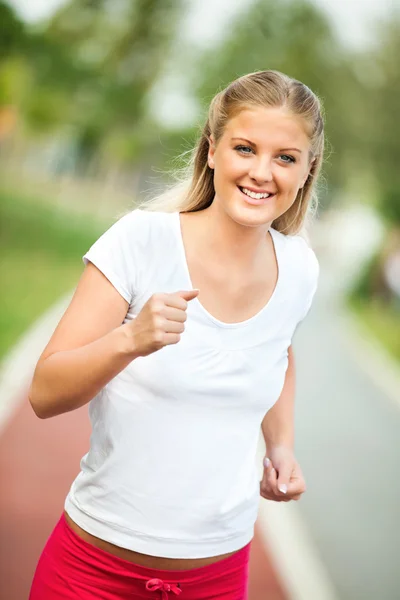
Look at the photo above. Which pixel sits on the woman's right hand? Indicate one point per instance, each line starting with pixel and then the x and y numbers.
pixel 160 322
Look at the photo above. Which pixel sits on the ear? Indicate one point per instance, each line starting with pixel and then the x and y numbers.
pixel 211 151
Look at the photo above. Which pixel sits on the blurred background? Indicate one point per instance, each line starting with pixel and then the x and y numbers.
pixel 99 101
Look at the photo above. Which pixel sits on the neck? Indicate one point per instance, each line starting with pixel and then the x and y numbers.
pixel 230 240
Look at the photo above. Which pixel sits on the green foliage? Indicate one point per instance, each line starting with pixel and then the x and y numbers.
pixel 92 67
pixel 30 225
pixel 15 80
pixel 390 199
pixel 44 108
pixel 363 287
pixel 291 36
pixel 125 45
pixel 382 322
pixel 383 104
pixel 12 33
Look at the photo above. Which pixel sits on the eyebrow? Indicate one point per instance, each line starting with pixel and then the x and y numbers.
pixel 255 145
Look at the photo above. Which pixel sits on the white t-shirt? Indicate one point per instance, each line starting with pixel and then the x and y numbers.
pixel 171 468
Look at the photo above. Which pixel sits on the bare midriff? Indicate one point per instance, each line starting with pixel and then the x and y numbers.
pixel 146 560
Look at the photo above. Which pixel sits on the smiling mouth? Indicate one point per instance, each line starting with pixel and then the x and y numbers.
pixel 253 197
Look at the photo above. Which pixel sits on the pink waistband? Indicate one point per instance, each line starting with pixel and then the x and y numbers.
pixel 238 560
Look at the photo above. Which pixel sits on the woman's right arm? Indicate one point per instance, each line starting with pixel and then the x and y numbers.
pixel 91 345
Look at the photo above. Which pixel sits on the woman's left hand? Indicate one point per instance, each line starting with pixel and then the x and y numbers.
pixel 282 480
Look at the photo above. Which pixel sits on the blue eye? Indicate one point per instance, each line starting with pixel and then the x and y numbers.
pixel 242 149
pixel 290 158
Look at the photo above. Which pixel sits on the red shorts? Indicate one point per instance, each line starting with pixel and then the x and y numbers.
pixel 70 569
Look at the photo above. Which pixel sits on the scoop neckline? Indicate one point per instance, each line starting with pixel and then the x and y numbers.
pixel 196 301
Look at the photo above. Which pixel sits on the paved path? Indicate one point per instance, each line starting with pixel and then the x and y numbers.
pixel 38 461
pixel 348 443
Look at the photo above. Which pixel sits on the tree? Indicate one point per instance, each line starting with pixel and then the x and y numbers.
pixel 125 44
pixel 384 120
pixel 12 32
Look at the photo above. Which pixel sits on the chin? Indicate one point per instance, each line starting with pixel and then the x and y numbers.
pixel 253 216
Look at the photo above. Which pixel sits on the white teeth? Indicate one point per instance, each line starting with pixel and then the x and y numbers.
pixel 254 195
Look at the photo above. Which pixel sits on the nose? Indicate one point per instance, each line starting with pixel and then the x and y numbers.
pixel 261 171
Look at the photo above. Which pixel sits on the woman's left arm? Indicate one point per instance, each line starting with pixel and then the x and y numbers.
pixel 282 478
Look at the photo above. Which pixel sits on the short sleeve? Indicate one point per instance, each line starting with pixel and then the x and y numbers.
pixel 311 281
pixel 113 255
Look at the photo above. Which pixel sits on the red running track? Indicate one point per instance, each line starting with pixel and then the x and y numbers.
pixel 38 461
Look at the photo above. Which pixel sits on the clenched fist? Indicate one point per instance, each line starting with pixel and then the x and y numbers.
pixel 160 322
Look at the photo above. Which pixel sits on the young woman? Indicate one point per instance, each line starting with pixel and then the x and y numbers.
pixel 179 335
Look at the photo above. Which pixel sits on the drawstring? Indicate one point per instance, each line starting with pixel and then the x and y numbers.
pixel 158 584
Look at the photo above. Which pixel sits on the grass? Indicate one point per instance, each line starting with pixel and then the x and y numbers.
pixel 382 321
pixel 41 249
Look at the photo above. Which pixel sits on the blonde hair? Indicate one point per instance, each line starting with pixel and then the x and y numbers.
pixel 193 189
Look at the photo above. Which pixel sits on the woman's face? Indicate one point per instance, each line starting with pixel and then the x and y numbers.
pixel 262 151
